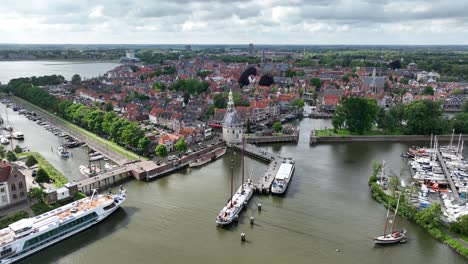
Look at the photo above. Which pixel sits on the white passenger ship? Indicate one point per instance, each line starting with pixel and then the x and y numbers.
pixel 283 177
pixel 30 235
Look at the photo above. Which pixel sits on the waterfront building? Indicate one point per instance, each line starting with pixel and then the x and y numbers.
pixel 12 185
pixel 232 124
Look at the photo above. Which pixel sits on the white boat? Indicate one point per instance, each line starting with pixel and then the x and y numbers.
pixel 231 211
pixel 30 235
pixel 97 157
pixel 393 236
pixel 63 152
pixel 283 177
pixel 18 135
pixel 89 171
pixel 109 166
pixel 4 140
pixel 234 206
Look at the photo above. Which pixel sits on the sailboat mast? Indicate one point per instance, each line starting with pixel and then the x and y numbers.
pixel 430 146
pixel 386 222
pixel 232 178
pixel 459 139
pixel 396 212
pixel 451 139
pixel 243 155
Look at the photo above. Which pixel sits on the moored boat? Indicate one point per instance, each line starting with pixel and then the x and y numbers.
pixel 63 152
pixel 18 135
pixel 4 140
pixel 283 177
pixel 30 235
pixel 89 171
pixel 393 236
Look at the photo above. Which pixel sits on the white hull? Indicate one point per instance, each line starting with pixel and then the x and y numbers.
pixel 280 186
pixel 231 211
pixel 64 236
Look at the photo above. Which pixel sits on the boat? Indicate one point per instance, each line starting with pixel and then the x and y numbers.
pixel 283 177
pixel 18 135
pixel 63 152
pixel 234 206
pixel 393 236
pixel 96 158
pixel 108 166
pixel 4 140
pixel 207 158
pixel 30 235
pixel 90 170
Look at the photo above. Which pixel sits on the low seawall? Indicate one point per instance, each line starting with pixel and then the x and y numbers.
pixel 388 138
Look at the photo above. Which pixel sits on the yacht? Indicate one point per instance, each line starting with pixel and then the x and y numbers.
pixel 283 176
pixel 18 135
pixel 63 152
pixel 30 235
pixel 4 140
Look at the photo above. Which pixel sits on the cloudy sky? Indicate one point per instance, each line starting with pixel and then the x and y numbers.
pixel 235 21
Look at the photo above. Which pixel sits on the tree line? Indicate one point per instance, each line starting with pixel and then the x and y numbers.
pixel 106 124
pixel 423 117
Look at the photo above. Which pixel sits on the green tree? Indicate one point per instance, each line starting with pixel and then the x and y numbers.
pixel 457 91
pixel 42 175
pixel 339 118
pixel 428 90
pixel 277 127
pixel 460 123
pixel 465 107
pixel 159 86
pixel 316 82
pixel 143 144
pixel 31 161
pixel 298 102
pixel 18 149
pixel 2 152
pixel 181 145
pixel 11 156
pixel 161 151
pixel 220 101
pixel 430 217
pixel 425 117
pixel 76 79
pixel 360 114
pixel 36 193
pixel 460 226
pixel 108 107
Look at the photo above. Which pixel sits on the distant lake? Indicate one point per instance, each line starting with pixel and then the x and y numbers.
pixel 14 69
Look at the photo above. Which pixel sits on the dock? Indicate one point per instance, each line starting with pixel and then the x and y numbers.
pixel 264 182
pixel 447 175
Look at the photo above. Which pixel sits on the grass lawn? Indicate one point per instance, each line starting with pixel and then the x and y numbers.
pixel 60 180
pixel 130 155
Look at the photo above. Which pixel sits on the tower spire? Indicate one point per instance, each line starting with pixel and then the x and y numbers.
pixel 230 104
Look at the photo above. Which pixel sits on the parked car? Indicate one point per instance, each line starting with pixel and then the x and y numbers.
pixel 34 173
pixel 189 151
pixel 172 157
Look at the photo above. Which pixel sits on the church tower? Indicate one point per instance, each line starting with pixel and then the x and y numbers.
pixel 232 125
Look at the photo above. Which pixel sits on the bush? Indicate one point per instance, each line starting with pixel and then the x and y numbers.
pixel 18 149
pixel 11 156
pixel 6 221
pixel 31 161
pixel 460 226
pixel 42 175
pixel 79 195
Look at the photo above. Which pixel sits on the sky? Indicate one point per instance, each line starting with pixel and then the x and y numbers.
pixel 355 22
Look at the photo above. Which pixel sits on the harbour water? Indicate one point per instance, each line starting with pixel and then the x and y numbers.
pixel 16 69
pixel 327 207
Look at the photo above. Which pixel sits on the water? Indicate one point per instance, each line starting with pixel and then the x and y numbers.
pixel 15 69
pixel 38 139
pixel 327 207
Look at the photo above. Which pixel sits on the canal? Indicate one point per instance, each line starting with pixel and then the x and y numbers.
pixel 327 207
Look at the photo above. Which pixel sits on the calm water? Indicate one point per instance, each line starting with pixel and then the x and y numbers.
pixel 38 139
pixel 15 69
pixel 327 207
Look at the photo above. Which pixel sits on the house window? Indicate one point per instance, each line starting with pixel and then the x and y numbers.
pixel 13 187
pixel 2 190
pixel 14 196
pixel 4 199
pixel 21 194
pixel 20 185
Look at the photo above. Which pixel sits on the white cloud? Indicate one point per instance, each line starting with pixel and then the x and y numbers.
pixel 96 12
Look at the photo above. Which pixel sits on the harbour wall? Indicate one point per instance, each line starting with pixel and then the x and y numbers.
pixel 387 138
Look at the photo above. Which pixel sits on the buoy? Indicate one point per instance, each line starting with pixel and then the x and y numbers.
pixel 252 220
pixel 243 237
pixel 259 206
pixel 338 250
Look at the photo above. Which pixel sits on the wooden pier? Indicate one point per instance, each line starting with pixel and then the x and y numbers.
pixel 447 175
pixel 265 181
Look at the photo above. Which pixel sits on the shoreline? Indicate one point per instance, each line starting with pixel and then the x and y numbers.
pixel 379 138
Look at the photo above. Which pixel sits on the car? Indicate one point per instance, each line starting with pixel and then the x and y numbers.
pixel 34 173
pixel 172 157
pixel 212 143
pixel 189 151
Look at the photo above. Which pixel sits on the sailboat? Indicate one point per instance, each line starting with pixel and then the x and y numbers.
pixel 393 236
pixel 231 211
pixel 63 151
pixel 90 170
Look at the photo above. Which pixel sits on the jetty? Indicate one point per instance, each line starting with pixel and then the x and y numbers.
pixel 264 182
pixel 447 175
